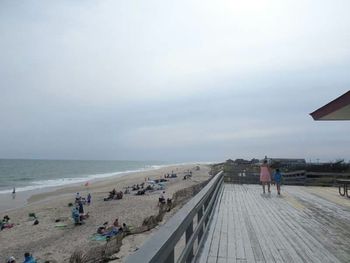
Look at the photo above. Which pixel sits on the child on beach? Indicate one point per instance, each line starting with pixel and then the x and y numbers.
pixel 277 177
pixel 76 215
pixel 28 258
pixel 265 176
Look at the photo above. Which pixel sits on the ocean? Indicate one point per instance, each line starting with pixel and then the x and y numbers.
pixel 27 175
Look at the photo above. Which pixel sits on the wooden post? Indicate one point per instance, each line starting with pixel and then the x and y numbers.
pixel 189 232
pixel 171 257
pixel 199 217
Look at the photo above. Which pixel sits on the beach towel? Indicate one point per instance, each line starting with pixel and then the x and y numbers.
pixel 61 225
pixel 8 225
pixel 98 237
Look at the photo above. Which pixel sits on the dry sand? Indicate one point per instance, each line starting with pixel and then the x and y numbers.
pixel 47 242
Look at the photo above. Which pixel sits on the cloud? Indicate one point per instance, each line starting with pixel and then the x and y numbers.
pixel 185 80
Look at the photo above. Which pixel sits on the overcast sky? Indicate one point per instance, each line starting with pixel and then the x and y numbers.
pixel 192 80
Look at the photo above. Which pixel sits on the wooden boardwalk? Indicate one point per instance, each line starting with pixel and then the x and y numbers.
pixel 302 225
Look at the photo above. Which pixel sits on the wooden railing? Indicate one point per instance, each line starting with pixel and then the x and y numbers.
pixel 300 177
pixel 191 221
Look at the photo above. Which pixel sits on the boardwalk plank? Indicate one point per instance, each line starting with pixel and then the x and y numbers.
pixel 231 234
pixel 239 241
pixel 308 246
pixel 214 247
pixel 211 259
pixel 287 253
pixel 293 232
pixel 204 257
pixel 223 242
pixel 244 221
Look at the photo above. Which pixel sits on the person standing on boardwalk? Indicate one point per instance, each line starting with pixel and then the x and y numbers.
pixel 265 176
pixel 277 177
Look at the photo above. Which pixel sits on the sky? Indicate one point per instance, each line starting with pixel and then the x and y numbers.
pixel 172 80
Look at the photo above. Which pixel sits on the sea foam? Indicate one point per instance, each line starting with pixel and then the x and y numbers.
pixel 41 184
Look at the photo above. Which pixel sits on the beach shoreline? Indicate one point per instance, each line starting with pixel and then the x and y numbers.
pixel 9 202
pixel 49 242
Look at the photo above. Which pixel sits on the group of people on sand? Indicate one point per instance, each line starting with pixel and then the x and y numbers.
pixel 5 223
pixel 172 175
pixel 139 188
pixel 112 195
pixel 187 175
pixel 28 258
pixel 163 200
pixel 114 229
pixel 78 213
pixel 265 177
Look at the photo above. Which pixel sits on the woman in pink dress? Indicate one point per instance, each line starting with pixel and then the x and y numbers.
pixel 265 176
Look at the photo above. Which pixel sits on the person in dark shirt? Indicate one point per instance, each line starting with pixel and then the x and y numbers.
pixel 277 177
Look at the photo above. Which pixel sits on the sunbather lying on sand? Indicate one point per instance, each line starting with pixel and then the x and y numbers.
pixel 114 195
pixel 5 223
pixel 108 231
pixel 141 192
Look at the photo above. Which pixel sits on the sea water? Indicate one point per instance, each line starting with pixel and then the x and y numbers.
pixel 26 175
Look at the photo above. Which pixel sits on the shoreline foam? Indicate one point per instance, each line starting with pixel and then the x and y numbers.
pixel 24 195
pixel 40 184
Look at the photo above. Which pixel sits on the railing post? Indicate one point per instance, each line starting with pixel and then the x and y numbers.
pixel 171 257
pixel 199 217
pixel 189 232
pixel 205 209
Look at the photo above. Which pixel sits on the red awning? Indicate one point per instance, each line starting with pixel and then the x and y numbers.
pixel 338 109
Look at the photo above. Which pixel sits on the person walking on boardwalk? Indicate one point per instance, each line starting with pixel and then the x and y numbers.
pixel 277 178
pixel 265 176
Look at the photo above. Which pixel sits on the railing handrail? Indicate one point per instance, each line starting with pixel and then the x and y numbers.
pixel 158 247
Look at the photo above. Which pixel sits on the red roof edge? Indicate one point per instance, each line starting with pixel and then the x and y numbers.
pixel 332 106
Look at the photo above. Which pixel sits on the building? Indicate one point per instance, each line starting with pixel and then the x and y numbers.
pixel 338 109
pixel 286 162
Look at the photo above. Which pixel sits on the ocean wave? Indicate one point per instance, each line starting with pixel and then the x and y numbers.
pixel 59 182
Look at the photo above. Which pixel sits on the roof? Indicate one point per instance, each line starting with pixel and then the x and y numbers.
pixel 338 109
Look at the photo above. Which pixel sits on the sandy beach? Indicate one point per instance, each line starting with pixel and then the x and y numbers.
pixel 47 242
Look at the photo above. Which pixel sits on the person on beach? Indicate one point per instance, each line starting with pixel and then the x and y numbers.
pixel 265 176
pixel 162 198
pixel 277 177
pixel 76 216
pixel 126 228
pixel 14 193
pixel 89 199
pixel 5 223
pixel 116 223
pixel 77 198
pixel 80 207
pixel 6 219
pixel 28 258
